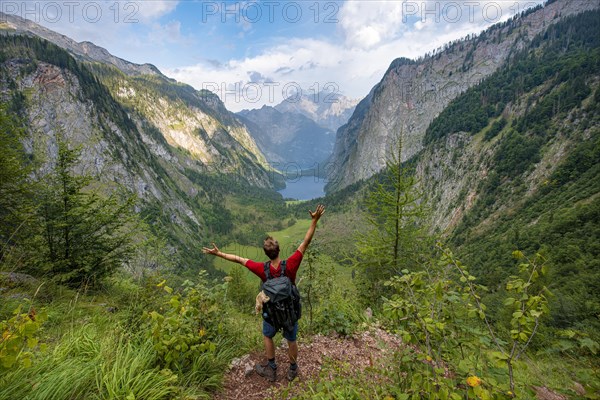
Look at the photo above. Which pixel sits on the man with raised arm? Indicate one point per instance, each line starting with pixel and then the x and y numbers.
pixel 271 248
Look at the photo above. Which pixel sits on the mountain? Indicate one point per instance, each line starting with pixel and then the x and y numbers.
pixel 288 140
pixel 178 149
pixel 514 163
pixel 300 130
pixel 413 92
pixel 195 121
pixel 328 109
pixel 86 51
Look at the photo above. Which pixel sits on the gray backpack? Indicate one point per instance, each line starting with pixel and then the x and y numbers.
pixel 283 309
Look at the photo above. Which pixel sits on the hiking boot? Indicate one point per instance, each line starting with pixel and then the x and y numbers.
pixel 292 374
pixel 266 371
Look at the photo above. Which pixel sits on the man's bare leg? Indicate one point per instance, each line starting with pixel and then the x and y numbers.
pixel 269 348
pixel 292 351
pixel 268 370
pixel 293 354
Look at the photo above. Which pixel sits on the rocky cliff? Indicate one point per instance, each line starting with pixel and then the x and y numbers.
pixel 82 50
pixel 195 121
pixel 413 92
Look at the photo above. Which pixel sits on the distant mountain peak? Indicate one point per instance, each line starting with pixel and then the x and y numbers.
pixel 328 109
pixel 288 139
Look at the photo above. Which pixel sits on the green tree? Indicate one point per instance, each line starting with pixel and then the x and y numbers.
pixel 394 238
pixel 14 187
pixel 83 235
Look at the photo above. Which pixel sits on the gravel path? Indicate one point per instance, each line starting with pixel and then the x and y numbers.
pixel 359 350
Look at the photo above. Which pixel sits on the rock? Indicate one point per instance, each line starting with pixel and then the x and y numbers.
pixel 17 279
pixel 579 389
pixel 248 369
pixel 369 313
pixel 236 362
pixel 543 393
pixel 286 138
pixel 329 109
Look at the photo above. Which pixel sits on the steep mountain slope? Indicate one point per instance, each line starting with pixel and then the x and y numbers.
pixel 288 139
pixel 514 163
pixel 412 93
pixel 328 109
pixel 178 149
pixel 195 121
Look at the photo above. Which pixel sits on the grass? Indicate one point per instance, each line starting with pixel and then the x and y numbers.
pixel 295 202
pixel 289 238
pixel 94 353
pixel 93 361
pixel 558 373
pixel 128 372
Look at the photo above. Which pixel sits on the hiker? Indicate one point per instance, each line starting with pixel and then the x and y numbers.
pixel 274 267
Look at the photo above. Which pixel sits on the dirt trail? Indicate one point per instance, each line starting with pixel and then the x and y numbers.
pixel 359 350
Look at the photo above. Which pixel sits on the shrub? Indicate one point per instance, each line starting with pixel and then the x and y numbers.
pixel 182 330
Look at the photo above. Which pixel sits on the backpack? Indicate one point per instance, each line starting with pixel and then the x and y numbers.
pixel 283 309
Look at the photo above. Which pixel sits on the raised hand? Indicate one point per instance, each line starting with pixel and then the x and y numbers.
pixel 214 251
pixel 318 212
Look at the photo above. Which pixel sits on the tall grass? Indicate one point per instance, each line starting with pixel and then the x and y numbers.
pixel 66 372
pixel 206 372
pixel 127 373
pixel 89 363
pixel 101 356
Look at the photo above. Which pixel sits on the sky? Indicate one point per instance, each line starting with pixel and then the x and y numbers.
pixel 255 53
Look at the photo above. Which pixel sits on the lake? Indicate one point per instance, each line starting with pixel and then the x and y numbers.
pixel 304 188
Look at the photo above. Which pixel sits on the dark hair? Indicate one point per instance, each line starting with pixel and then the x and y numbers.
pixel 271 248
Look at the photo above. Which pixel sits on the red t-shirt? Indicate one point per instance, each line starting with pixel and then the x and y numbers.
pixel 291 267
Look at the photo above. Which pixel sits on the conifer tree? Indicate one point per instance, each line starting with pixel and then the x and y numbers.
pixel 83 235
pixel 394 238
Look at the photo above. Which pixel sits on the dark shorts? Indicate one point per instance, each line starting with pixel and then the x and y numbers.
pixel 269 331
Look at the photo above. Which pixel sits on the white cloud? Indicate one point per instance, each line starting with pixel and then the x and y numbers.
pixel 365 24
pixel 150 10
pixel 169 33
pixel 373 34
